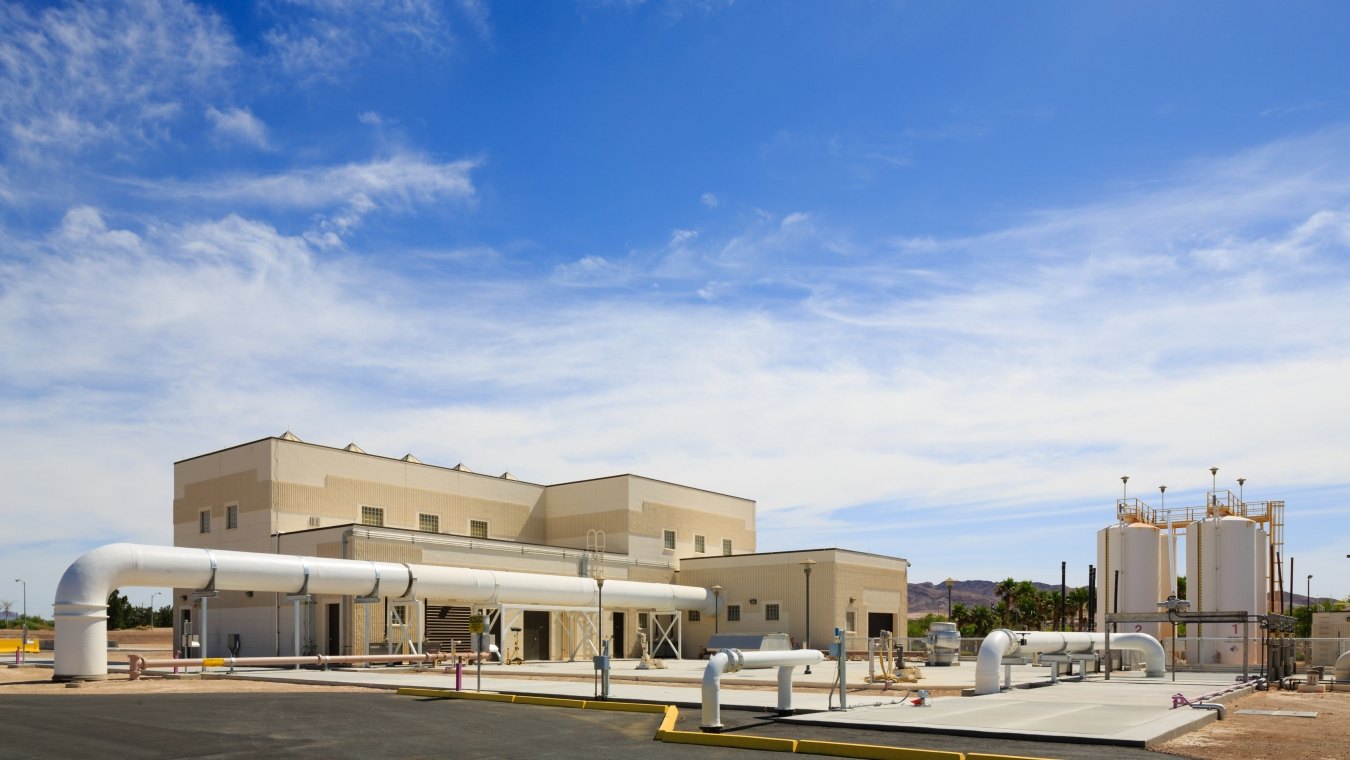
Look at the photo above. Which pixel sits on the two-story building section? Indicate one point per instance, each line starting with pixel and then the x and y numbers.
pixel 286 496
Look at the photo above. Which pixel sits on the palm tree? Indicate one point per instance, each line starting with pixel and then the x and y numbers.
pixel 982 620
pixel 1076 604
pixel 1005 589
pixel 960 614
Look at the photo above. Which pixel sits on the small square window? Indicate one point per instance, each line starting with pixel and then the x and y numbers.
pixel 694 616
pixel 429 523
pixel 699 544
pixel 372 516
pixel 232 517
pixel 478 529
pixel 726 547
pixel 771 611
pixel 204 521
pixel 733 613
pixel 850 621
pixel 668 538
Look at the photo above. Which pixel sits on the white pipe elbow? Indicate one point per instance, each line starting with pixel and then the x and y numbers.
pixel 997 645
pixel 1155 658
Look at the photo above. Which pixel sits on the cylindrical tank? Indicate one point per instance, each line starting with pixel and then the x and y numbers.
pixel 1225 571
pixel 1140 552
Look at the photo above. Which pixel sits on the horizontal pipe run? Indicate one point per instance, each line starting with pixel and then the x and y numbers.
pixel 1002 643
pixel 138 665
pixel 81 604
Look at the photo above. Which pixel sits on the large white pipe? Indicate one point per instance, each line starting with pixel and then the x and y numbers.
pixel 732 660
pixel 1343 668
pixel 1005 643
pixel 81 605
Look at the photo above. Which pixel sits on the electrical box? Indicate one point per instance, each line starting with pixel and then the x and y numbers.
pixel 836 650
pixel 601 662
pixel 483 642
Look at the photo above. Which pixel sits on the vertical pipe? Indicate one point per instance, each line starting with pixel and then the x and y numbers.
pixel 296 605
pixel 1063 591
pixel 1092 598
pixel 202 649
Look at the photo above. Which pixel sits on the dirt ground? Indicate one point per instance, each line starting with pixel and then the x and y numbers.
pixel 1238 736
pixel 1269 736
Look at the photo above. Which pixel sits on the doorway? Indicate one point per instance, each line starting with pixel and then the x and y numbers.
pixel 878 622
pixel 334 629
pixel 618 636
pixel 534 629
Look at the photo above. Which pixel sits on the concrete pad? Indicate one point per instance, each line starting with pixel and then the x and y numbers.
pixel 1129 710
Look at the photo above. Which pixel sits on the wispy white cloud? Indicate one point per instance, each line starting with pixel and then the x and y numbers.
pixel 92 74
pixel 327 37
pixel 238 125
pixel 710 200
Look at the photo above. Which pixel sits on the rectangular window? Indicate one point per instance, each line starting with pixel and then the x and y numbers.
pixel 429 523
pixel 694 616
pixel 699 544
pixel 850 621
pixel 204 521
pixel 726 547
pixel 668 538
pixel 372 516
pixel 232 517
pixel 771 611
pixel 478 528
pixel 733 613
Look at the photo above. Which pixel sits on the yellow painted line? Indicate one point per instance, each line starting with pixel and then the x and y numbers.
pixel 213 662
pixel 638 707
pixel 873 751
pixel 738 741
pixel 522 699
pixel 409 691
pixel 668 722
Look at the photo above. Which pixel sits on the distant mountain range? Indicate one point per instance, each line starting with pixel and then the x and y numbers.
pixel 932 597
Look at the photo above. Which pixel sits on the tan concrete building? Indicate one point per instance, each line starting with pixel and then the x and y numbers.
pixel 863 594
pixel 287 496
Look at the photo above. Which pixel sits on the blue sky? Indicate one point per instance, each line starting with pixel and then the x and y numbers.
pixel 922 279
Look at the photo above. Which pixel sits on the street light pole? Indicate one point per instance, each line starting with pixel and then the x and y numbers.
pixel 152 608
pixel 807 564
pixel 1309 594
pixel 24 645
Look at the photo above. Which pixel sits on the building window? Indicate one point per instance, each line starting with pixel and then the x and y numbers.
pixel 204 521
pixel 478 529
pixel 372 516
pixel 699 544
pixel 771 611
pixel 733 613
pixel 850 621
pixel 726 547
pixel 429 523
pixel 232 517
pixel 668 538
pixel 694 616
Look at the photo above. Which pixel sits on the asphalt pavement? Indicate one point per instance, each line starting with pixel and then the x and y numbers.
pixel 383 724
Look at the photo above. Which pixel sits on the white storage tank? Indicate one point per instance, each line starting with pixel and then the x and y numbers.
pixel 1140 552
pixel 1225 571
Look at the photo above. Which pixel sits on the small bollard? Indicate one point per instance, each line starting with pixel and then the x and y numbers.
pixel 459 674
pixel 175 656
